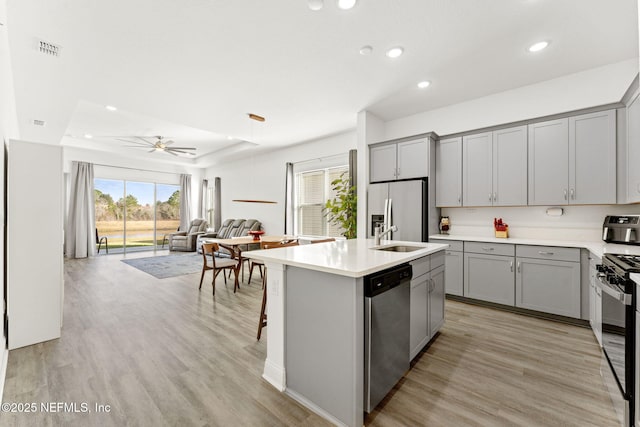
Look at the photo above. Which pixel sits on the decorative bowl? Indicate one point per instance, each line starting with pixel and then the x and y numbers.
pixel 256 234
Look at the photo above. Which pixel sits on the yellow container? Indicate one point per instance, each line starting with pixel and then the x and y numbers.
pixel 503 234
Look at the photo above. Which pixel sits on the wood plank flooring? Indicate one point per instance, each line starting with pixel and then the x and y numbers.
pixel 160 352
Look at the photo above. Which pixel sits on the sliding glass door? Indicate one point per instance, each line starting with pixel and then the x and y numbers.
pixel 136 216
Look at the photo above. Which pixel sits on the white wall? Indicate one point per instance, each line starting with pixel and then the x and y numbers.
pixel 263 177
pixel 590 88
pixel 137 170
pixel 8 130
pixel 581 223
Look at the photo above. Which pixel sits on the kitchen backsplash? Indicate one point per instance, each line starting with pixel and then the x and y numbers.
pixel 582 223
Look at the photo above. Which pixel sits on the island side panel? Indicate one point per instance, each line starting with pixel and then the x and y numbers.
pixel 274 369
pixel 324 346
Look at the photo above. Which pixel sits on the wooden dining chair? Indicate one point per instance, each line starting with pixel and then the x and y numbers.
pixel 218 265
pixel 262 322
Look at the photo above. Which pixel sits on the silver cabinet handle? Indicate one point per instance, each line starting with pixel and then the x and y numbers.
pixel 518 267
pixel 488 249
pixel 447 252
pixel 565 194
pixel 490 197
pixel 511 266
pixel 495 197
pixel 459 201
pixel 573 195
pixel 545 253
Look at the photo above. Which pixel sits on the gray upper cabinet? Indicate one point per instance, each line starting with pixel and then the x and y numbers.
pixel 477 172
pixel 382 162
pixel 633 151
pixel 413 159
pixel 549 163
pixel 592 158
pixel 402 160
pixel 573 160
pixel 449 172
pixel 495 168
pixel 510 167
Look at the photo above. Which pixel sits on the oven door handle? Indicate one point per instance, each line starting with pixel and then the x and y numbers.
pixel 615 293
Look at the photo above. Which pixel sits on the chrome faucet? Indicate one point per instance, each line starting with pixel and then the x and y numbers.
pixel 378 233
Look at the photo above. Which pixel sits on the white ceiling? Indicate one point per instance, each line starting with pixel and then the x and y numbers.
pixel 192 70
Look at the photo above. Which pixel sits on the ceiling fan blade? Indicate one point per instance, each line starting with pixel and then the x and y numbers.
pixel 180 151
pixel 170 152
pixel 148 142
pixel 181 148
pixel 168 142
pixel 134 142
pixel 151 151
pixel 135 146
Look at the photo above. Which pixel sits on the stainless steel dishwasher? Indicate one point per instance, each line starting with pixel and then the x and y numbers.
pixel 386 332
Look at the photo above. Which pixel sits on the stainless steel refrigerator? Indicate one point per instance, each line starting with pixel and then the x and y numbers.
pixel 400 203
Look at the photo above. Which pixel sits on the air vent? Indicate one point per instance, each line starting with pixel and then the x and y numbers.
pixel 37 122
pixel 49 48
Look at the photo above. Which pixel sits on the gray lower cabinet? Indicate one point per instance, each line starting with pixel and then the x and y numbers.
pixel 436 300
pixel 489 278
pixel 548 286
pixel 454 265
pixel 426 312
pixel 595 299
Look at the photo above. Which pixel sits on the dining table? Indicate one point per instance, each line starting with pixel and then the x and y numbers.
pixel 238 244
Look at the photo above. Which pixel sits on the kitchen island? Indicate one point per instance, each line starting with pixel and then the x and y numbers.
pixel 315 312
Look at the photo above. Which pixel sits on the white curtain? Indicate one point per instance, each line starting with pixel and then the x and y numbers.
pixel 288 200
pixel 217 203
pixel 185 202
pixel 202 208
pixel 80 238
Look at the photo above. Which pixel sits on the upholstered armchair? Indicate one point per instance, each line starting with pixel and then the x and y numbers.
pixel 186 240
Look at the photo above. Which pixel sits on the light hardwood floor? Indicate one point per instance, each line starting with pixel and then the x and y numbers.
pixel 162 353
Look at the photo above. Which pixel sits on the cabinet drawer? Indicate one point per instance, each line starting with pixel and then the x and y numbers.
pixel 548 252
pixel 454 245
pixel 437 259
pixel 421 266
pixel 490 248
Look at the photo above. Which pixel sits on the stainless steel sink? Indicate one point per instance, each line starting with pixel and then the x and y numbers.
pixel 399 248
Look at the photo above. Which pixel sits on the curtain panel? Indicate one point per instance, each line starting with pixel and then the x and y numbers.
pixel 203 199
pixel 288 200
pixel 217 203
pixel 185 202
pixel 80 240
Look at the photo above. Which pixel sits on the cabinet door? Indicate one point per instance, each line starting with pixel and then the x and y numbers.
pixel 436 300
pixel 549 163
pixel 633 151
pixel 548 286
pixel 419 320
pixel 489 278
pixel 592 158
pixel 510 167
pixel 453 266
pixel 477 171
pixel 449 172
pixel 413 159
pixel 382 162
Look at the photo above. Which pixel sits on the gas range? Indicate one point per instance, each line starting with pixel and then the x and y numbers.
pixel 617 267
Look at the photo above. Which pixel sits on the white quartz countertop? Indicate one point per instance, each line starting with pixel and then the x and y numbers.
pixel 635 277
pixel 598 248
pixel 352 258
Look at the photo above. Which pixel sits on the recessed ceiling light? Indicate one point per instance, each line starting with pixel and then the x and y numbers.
pixel 229 138
pixel 424 84
pixel 366 50
pixel 346 4
pixel 537 47
pixel 315 4
pixel 88 135
pixel 395 52
pixel 111 108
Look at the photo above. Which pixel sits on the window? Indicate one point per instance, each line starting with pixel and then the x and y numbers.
pixel 312 190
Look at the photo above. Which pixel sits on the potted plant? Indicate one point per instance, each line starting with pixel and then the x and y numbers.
pixel 342 209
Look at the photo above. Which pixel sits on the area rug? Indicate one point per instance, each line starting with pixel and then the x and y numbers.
pixel 162 267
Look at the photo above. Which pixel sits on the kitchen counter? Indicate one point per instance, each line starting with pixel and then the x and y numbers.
pixel 598 248
pixel 351 258
pixel 635 277
pixel 315 311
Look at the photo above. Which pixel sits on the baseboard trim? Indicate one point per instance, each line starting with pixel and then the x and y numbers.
pixel 313 407
pixel 3 371
pixel 275 375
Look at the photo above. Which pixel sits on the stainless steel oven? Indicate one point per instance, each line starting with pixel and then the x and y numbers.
pixel 618 330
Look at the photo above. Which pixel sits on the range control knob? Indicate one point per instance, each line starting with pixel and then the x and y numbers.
pixel 601 268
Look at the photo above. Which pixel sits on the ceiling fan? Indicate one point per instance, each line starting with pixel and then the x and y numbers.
pixel 160 144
